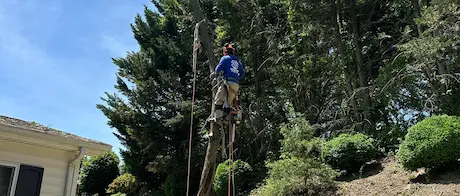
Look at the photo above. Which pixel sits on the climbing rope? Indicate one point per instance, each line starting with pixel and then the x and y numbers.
pixel 231 173
pixel 230 149
pixel 196 46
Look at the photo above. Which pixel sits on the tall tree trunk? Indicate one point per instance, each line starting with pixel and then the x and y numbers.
pixel 418 14
pixel 338 38
pixel 440 68
pixel 209 168
pixel 362 73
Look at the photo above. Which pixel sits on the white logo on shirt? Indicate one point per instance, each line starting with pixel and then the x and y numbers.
pixel 235 64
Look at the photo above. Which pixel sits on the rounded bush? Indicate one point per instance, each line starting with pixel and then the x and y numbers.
pixel 431 143
pixel 298 139
pixel 97 173
pixel 243 175
pixel 349 152
pixel 118 194
pixel 125 184
pixel 298 176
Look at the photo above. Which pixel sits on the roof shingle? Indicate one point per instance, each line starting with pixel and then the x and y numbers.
pixel 33 126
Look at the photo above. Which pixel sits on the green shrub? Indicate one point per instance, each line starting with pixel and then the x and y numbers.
pixel 314 148
pixel 298 139
pixel 175 185
pixel 349 152
pixel 431 143
pixel 125 184
pixel 243 175
pixel 298 176
pixel 97 173
pixel 118 194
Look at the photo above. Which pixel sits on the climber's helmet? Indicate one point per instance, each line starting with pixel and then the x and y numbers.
pixel 229 49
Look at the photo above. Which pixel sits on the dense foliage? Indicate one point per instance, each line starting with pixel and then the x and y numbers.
pixel 124 184
pixel 298 139
pixel 299 171
pixel 349 152
pixel 243 177
pixel 431 143
pixel 97 173
pixel 373 67
pixel 173 185
pixel 298 176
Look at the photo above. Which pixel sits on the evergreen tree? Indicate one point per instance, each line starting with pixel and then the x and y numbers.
pixel 97 173
pixel 151 112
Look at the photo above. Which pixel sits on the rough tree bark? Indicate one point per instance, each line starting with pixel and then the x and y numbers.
pixel 418 14
pixel 362 73
pixel 209 168
pixel 440 68
pixel 335 7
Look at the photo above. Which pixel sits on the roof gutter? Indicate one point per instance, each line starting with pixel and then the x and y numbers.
pixel 71 172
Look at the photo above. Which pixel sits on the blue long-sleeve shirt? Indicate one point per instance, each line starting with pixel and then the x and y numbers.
pixel 232 68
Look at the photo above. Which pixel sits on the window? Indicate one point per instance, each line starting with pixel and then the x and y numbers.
pixel 8 177
pixel 29 181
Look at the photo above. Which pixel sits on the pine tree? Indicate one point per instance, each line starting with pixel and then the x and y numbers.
pixel 151 111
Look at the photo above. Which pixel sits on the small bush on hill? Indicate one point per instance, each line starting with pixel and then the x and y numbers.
pixel 125 184
pixel 431 143
pixel 298 139
pixel 300 171
pixel 298 176
pixel 118 194
pixel 349 152
pixel 243 175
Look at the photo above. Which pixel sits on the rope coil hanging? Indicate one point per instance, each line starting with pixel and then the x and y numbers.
pixel 196 46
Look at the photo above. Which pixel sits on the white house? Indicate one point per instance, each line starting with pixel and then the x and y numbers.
pixel 39 161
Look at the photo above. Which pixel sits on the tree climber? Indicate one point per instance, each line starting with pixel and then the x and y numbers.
pixel 231 69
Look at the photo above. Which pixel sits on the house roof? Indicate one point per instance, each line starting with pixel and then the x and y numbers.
pixel 33 126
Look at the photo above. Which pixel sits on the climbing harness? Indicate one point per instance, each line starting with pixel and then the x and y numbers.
pixel 236 111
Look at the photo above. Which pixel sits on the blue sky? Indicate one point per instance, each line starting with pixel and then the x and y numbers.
pixel 55 60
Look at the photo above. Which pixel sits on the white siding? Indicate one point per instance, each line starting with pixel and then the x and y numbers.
pixel 54 162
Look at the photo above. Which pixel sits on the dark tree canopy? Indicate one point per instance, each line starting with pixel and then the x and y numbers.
pixel 97 173
pixel 373 67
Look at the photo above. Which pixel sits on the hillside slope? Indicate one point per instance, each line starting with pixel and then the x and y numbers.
pixel 391 179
